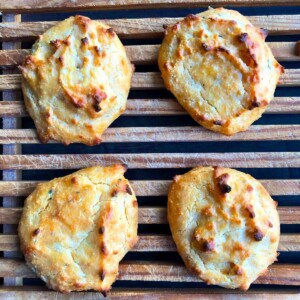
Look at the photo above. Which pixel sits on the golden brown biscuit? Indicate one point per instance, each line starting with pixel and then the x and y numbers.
pixel 76 81
pixel 75 230
pixel 225 225
pixel 219 68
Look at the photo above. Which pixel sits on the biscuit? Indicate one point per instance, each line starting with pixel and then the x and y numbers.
pixel 75 230
pixel 76 81
pixel 225 225
pixel 219 68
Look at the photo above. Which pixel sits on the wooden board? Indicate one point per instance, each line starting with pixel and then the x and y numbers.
pixel 148 81
pixel 147 54
pixel 52 5
pixel 147 101
pixel 148 27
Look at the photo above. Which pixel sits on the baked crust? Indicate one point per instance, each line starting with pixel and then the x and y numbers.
pixel 75 230
pixel 225 225
pixel 219 68
pixel 76 81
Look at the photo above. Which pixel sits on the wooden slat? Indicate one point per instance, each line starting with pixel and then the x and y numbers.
pixel 147 27
pixel 156 160
pixel 141 107
pixel 151 187
pixel 157 243
pixel 149 80
pixel 155 215
pixel 39 292
pixel 281 274
pixel 167 134
pixel 147 54
pixel 52 5
pixel 142 54
pixel 11 123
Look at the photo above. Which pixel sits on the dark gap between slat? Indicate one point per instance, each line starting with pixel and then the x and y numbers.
pixel 164 147
pixel 162 93
pixel 154 13
pixel 137 284
pixel 200 285
pixel 180 120
pixel 168 174
pixel 161 201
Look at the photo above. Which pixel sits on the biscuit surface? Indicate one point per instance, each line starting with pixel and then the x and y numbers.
pixel 75 230
pixel 225 225
pixel 219 68
pixel 76 81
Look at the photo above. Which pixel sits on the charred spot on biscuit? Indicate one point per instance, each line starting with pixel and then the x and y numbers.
pixel 114 193
pixel 258 235
pixel 191 17
pixel 104 293
pixel 250 211
pixel 270 224
pixel 175 27
pixel 254 104
pixel 74 180
pixel 82 22
pixel 102 275
pixel 219 122
pixel 243 37
pixel 97 49
pixel 208 246
pixel 101 230
pixel 110 31
pixel 223 49
pixel 36 232
pixel 98 96
pixel 249 188
pixel 84 41
pixel 104 249
pixel 222 182
pixel 128 189
pixel 206 47
pixel 61 60
pixel 55 43
pixel 97 107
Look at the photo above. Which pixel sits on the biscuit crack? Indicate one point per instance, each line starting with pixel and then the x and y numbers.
pixel 201 94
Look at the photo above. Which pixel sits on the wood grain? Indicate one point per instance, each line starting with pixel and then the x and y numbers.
pixel 281 274
pixel 51 5
pixel 152 187
pixel 39 292
pixel 147 54
pixel 167 134
pixel 150 161
pixel 158 107
pixel 147 27
pixel 149 80
pixel 155 215
pixel 157 243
